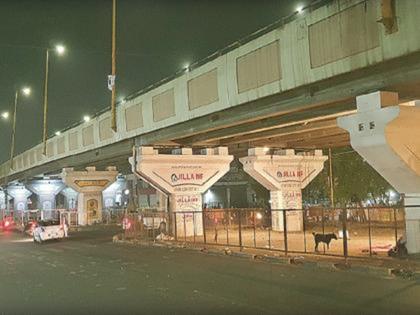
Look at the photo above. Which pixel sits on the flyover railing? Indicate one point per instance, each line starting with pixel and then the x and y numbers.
pixel 348 232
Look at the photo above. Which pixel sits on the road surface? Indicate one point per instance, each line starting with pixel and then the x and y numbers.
pixel 88 274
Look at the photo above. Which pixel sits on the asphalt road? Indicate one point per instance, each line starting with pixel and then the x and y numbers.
pixel 88 274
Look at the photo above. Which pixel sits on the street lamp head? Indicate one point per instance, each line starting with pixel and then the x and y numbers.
pixel 299 9
pixel 86 118
pixel 60 49
pixel 57 133
pixel 5 115
pixel 26 91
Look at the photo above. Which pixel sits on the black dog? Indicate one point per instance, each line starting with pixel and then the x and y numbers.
pixel 323 238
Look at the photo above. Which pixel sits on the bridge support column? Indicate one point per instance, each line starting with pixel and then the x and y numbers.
pixel 70 196
pixel 284 174
pixel 20 196
pixel 386 135
pixel 114 194
pixel 184 177
pixel 89 184
pixel 46 190
pixel 3 202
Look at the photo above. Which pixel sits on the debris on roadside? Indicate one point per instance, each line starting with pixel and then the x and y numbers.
pixel 401 273
pixel 297 260
pixel 164 237
pixel 227 251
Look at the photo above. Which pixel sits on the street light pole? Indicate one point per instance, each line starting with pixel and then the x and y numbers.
pixel 12 144
pixel 45 133
pixel 5 116
pixel 113 67
pixel 60 50
pixel 26 91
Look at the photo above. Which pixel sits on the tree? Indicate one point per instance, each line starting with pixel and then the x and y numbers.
pixel 354 181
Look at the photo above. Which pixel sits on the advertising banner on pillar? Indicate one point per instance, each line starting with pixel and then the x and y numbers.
pixel 185 207
pixel 92 210
pixel 292 176
pixel 187 202
pixel 185 178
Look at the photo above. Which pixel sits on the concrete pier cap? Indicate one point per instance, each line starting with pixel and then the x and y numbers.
pixel 46 189
pixel 20 196
pixel 387 135
pixel 89 184
pixel 183 177
pixel 284 173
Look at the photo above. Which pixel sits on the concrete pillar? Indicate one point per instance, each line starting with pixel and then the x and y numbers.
pixel 2 200
pixel 184 177
pixel 46 190
pixel 70 196
pixel 386 135
pixel 89 184
pixel 20 196
pixel 114 195
pixel 284 174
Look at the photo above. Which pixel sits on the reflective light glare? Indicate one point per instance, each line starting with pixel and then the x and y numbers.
pixel 57 133
pixel 86 118
pixel 392 194
pixel 5 115
pixel 127 192
pixel 26 91
pixel 209 196
pixel 266 149
pixel 187 67
pixel 60 49
pixel 258 216
pixel 299 9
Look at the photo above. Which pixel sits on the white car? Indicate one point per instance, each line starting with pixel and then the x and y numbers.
pixel 48 230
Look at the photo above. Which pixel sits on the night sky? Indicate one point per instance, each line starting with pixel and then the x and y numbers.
pixel 155 39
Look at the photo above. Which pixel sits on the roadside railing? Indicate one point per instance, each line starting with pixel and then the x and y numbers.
pixel 348 232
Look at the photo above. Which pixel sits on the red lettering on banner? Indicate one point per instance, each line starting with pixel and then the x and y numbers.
pixel 186 177
pixel 289 174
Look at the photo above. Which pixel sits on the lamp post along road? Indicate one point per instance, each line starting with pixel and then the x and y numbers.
pixel 26 91
pixel 12 143
pixel 44 128
pixel 113 67
pixel 59 50
pixel 5 116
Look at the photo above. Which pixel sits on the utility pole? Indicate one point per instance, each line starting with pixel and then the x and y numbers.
pixel 331 177
pixel 45 127
pixel 113 70
pixel 12 143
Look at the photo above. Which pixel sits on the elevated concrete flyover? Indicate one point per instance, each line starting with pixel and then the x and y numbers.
pixel 283 88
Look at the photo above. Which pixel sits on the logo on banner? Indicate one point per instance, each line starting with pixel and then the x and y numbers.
pixel 289 174
pixel 92 183
pixel 186 177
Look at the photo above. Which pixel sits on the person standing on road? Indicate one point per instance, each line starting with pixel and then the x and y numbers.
pixel 65 227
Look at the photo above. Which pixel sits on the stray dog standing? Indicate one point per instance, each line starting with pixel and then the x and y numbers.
pixel 323 238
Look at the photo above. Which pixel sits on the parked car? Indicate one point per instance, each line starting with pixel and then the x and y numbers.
pixel 48 230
